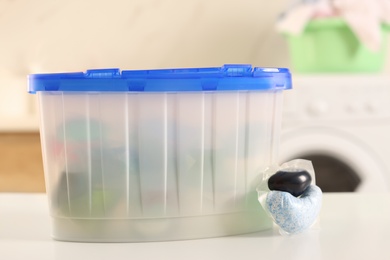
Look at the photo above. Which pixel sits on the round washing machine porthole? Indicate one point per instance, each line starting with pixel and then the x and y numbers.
pixel 342 163
pixel 329 168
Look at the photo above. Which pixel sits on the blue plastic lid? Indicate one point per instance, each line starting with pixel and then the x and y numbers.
pixel 225 78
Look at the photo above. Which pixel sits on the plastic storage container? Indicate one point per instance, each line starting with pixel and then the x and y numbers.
pixel 158 154
pixel 329 45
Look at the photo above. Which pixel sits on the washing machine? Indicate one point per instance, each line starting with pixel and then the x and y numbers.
pixel 342 124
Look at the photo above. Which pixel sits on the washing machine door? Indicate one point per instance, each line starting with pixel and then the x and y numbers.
pixel 341 162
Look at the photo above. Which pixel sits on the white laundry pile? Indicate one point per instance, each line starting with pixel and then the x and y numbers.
pixel 364 17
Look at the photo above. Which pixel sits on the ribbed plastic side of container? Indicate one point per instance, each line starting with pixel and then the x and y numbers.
pixel 157 166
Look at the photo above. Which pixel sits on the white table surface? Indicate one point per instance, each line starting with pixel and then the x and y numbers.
pixel 352 226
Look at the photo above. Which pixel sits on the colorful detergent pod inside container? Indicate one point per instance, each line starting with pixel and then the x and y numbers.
pixel 152 155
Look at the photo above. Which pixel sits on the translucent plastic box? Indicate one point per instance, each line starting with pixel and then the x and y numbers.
pixel 158 154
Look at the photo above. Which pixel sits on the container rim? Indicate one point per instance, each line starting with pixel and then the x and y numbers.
pixel 227 77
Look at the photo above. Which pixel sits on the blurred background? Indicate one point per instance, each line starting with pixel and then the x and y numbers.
pixel 337 118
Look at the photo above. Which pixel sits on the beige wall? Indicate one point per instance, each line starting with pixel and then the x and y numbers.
pixel 74 35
